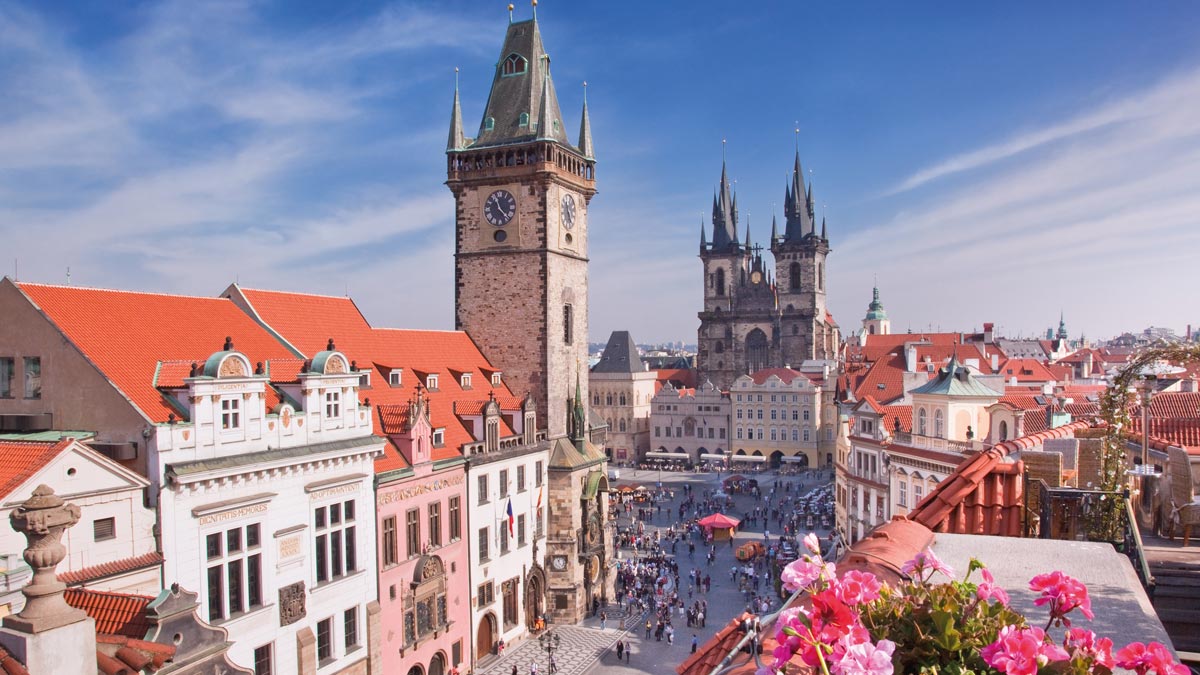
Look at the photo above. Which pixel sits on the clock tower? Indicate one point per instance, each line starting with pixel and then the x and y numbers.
pixel 521 192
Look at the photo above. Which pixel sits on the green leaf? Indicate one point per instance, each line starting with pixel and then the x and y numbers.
pixel 945 635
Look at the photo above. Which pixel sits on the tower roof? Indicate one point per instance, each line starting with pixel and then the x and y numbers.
pixel 797 210
pixel 620 355
pixel 724 214
pixel 456 141
pixel 522 84
pixel 956 380
pixel 585 129
pixel 876 312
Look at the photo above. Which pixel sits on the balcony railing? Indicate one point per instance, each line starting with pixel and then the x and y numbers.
pixel 1085 515
pixel 933 443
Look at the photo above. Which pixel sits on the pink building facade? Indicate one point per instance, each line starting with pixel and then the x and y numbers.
pixel 420 506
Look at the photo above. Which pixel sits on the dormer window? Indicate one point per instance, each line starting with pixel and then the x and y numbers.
pixel 523 120
pixel 438 438
pixel 465 381
pixel 395 377
pixel 333 404
pixel 489 123
pixel 364 378
pixel 495 379
pixel 431 382
pixel 515 64
pixel 231 413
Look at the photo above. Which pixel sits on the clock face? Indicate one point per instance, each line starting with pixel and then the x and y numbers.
pixel 568 211
pixel 500 207
pixel 559 562
pixel 755 277
pixel 593 531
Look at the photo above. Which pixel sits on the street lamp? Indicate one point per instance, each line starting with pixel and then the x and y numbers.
pixel 550 643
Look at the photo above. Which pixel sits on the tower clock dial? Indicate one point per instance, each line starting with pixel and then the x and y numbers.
pixel 500 207
pixel 568 211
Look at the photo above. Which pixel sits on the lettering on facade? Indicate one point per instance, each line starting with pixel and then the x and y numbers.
pixel 289 547
pixel 417 490
pixel 232 514
pixel 334 491
pixel 291 603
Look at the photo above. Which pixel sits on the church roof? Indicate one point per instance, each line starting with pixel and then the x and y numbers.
pixel 522 85
pixel 956 380
pixel 620 355
pixel 875 311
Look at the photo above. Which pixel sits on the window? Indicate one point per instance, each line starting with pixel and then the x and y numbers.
pixel 503 532
pixel 231 416
pixel 350 628
pixel 455 518
pixel 333 404
pixel 263 662
pixel 33 377
pixel 495 379
pixel 679 432
pixel 521 478
pixel 794 276
pixel 483 489
pixel 521 530
pixel 739 433
pixel 508 591
pixel 568 324
pixel 722 433
pixel 465 381
pixel 438 438
pixel 903 499
pixel 412 533
pixel 523 120
pixel 773 433
pixel 795 414
pixel 795 435
pixel 104 529
pixel 720 281
pixel 760 433
pixel 396 377
pixel 336 546
pixel 668 432
pixel 657 431
pixel 806 435
pixel 6 376
pixel 739 413
pixel 503 483
pixel 391 550
pixel 622 398
pixel 918 489
pixel 760 413
pixel 806 414
pixel 489 123
pixel 921 422
pixel 938 430
pixel 325 640
pixel 485 594
pixel 514 65
pixel 621 425
pixel 774 413
pixel 431 382
pixel 537 474
pixel 456 653
pixel 435 524
pixel 234 571
pixel 483 545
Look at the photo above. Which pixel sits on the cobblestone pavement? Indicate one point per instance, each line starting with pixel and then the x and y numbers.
pixel 580 648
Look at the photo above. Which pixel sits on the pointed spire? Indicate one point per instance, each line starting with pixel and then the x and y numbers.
pixel 747 234
pixel 545 120
pixel 585 129
pixel 774 229
pixel 579 417
pixel 797 211
pixel 823 229
pixel 457 140
pixel 703 241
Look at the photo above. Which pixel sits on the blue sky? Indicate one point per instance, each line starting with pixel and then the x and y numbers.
pixel 987 162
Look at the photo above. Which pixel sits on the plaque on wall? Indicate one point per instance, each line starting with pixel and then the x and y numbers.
pixel 291 603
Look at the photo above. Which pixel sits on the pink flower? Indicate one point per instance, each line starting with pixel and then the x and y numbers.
pixel 803 573
pixel 1021 651
pixel 1142 658
pixel 988 590
pixel 925 560
pixel 812 543
pixel 857 587
pixel 1063 594
pixel 1084 643
pixel 865 658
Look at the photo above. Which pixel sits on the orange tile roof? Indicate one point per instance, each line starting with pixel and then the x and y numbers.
pixel 125 334
pixel 10 665
pixel 685 377
pixel 1181 431
pixel 894 340
pixel 123 566
pixel 891 413
pixel 884 380
pixel 984 495
pixel 714 651
pixel 785 374
pixel 116 613
pixel 1025 370
pixel 308 322
pixel 1172 404
pixel 20 460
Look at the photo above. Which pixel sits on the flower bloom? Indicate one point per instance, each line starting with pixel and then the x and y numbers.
pixel 1142 658
pixel 865 658
pixel 1063 594
pixel 1021 651
pixel 803 573
pixel 926 560
pixel 1084 643
pixel 988 590
pixel 812 543
pixel 857 587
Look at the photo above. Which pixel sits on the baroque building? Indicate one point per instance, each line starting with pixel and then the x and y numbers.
pixel 621 387
pixel 522 190
pixel 755 317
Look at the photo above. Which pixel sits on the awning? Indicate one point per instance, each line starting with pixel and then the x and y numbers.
pixel 747 458
pixel 797 458
pixel 712 458
pixel 667 455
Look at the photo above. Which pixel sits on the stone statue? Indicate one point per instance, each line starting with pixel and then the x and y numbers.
pixel 42 519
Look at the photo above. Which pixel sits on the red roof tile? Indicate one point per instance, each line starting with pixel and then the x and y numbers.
pixel 714 651
pixel 1181 431
pixel 10 665
pixel 891 413
pixel 20 460
pixel 116 613
pixel 1172 404
pixel 183 328
pixel 123 566
pixel 1025 370
pixel 785 374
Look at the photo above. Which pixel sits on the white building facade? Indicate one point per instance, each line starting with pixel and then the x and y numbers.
pixel 690 425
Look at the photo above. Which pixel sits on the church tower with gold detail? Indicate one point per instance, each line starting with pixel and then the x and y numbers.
pixel 522 190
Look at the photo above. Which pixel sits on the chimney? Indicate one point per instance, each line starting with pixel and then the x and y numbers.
pixel 988 333
pixel 910 358
pixel 995 361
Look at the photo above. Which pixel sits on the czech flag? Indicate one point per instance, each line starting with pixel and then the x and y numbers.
pixel 511 520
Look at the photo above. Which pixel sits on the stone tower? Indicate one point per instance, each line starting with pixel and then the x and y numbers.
pixel 876 321
pixel 521 192
pixel 808 331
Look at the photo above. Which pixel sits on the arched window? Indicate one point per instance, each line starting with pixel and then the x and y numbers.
pixel 938 430
pixel 806 435
pixel 806 414
pixel 621 424
pixel 622 399
pixel 921 422
pixel 757 351
pixel 720 281
pixel 515 64
pixel 608 399
pixel 720 348
pixel 872 329
pixel 794 274
pixel 820 276
pixel 1003 430
pixel 523 120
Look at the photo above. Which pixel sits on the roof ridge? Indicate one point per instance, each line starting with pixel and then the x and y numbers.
pixel 76 287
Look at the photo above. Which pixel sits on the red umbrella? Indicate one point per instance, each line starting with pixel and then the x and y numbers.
pixel 734 479
pixel 719 520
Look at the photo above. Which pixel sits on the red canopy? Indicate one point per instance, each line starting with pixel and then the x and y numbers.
pixel 719 520
pixel 734 479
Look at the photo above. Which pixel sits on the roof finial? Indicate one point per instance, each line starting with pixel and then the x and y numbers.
pixel 722 151
pixel 797 136
pixel 456 79
pixel 510 9
pixel 535 10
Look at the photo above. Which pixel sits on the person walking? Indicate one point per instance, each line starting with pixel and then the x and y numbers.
pixel 695 644
pixel 514 669
pixel 649 626
pixel 620 650
pixel 603 619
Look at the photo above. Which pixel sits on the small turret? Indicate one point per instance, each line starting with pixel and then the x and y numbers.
pixel 585 129
pixel 457 140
